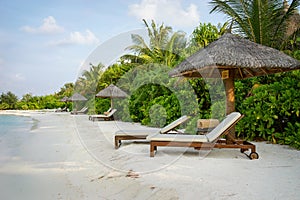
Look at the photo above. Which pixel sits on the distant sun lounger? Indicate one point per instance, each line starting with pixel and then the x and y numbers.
pixel 84 110
pixel 65 109
pixel 208 141
pixel 107 116
pixel 142 134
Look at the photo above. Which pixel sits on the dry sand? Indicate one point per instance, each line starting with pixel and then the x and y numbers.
pixel 70 157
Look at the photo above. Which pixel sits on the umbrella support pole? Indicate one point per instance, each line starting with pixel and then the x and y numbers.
pixel 230 101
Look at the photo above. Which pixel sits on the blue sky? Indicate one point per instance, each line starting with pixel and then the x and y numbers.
pixel 45 43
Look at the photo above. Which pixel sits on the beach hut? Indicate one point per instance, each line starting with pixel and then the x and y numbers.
pixel 233 57
pixel 111 91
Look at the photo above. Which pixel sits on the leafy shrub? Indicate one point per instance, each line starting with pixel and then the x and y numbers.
pixel 292 135
pixel 8 101
pixel 4 106
pixel 157 116
pixel 149 95
pixel 272 111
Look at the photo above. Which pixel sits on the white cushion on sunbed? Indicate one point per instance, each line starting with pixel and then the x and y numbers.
pixel 225 124
pixel 136 132
pixel 174 124
pixel 111 112
pixel 178 138
pixel 210 137
pixel 100 115
pixel 153 131
pixel 103 115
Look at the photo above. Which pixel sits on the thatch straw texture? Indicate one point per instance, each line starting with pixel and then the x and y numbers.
pixel 77 97
pixel 246 58
pixel 112 91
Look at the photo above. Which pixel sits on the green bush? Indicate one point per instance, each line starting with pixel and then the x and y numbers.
pixel 4 106
pixel 292 135
pixel 144 98
pixel 157 116
pixel 272 111
pixel 8 101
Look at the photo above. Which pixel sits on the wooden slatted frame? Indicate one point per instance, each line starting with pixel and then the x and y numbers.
pixel 220 143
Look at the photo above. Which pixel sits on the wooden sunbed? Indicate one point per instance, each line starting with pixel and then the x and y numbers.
pixel 84 110
pixel 208 141
pixel 65 109
pixel 108 116
pixel 142 134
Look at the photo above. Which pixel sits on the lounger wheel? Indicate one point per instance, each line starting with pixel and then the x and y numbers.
pixel 253 155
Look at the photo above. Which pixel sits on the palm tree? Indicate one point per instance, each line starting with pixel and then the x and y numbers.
pixel 112 74
pixel 88 82
pixel 262 21
pixel 162 48
pixel 203 35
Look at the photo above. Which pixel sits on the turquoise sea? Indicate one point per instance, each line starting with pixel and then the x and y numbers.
pixel 13 123
pixel 13 132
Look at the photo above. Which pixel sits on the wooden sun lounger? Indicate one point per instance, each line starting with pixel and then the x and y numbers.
pixel 106 117
pixel 132 135
pixel 208 141
pixel 142 134
pixel 65 109
pixel 84 110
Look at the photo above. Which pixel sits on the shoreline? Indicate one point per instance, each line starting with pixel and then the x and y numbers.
pixel 69 157
pixel 25 113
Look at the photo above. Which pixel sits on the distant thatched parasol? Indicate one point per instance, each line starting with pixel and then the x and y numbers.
pixel 64 99
pixel 77 97
pixel 232 57
pixel 112 91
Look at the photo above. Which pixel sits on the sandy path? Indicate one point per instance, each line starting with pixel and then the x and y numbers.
pixel 70 157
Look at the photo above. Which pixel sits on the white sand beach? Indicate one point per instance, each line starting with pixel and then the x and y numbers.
pixel 69 157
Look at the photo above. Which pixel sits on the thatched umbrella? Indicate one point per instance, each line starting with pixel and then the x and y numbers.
pixel 232 57
pixel 77 97
pixel 112 91
pixel 64 99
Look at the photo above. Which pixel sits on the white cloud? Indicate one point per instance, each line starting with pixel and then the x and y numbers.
pixel 13 77
pixel 18 77
pixel 171 12
pixel 76 37
pixel 49 26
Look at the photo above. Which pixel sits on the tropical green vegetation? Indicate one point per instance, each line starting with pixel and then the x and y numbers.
pixel 271 104
pixel 165 47
pixel 262 21
pixel 8 101
pixel 29 102
pixel 272 110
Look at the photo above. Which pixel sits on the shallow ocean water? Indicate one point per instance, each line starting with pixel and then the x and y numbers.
pixel 12 123
pixel 14 130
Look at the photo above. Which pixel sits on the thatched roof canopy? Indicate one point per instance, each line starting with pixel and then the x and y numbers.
pixel 77 97
pixel 112 91
pixel 64 99
pixel 245 58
